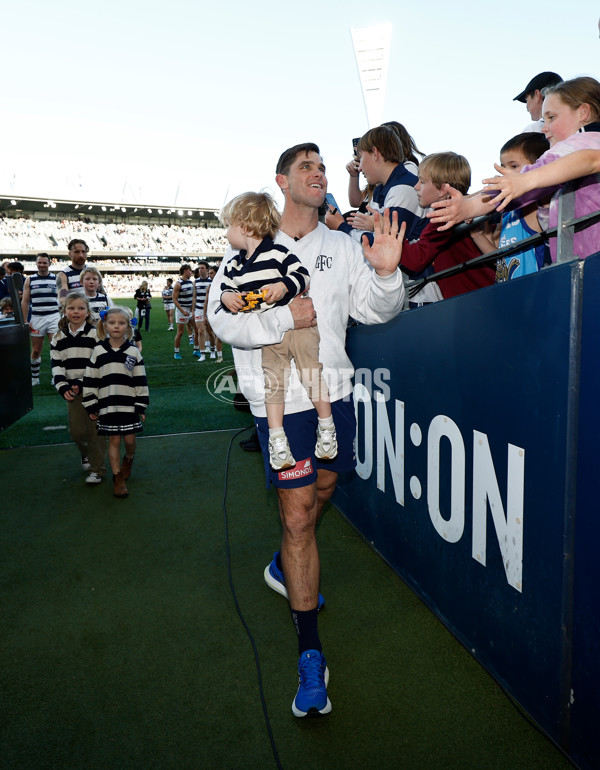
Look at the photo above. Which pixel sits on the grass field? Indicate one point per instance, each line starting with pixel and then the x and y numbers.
pixel 179 398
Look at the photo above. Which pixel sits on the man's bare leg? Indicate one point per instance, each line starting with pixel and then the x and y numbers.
pixel 299 553
pixel 300 510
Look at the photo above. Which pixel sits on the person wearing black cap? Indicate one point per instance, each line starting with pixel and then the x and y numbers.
pixel 533 97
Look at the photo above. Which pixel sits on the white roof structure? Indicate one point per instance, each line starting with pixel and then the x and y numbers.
pixel 372 52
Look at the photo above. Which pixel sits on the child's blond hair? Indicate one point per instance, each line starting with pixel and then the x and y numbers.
pixel 63 324
pixel 446 168
pixel 124 311
pixel 257 212
pixel 93 271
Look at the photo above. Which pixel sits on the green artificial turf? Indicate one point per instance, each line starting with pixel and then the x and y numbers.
pixel 122 648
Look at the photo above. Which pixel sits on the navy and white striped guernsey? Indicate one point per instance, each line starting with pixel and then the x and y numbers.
pixel 70 354
pixel 115 380
pixel 43 294
pixel 186 293
pixel 270 262
pixel 202 287
pixel 73 274
pixel 98 303
pixel 167 296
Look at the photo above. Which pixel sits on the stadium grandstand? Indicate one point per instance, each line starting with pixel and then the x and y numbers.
pixel 127 243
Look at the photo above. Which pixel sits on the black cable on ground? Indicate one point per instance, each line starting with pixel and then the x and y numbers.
pixel 237 606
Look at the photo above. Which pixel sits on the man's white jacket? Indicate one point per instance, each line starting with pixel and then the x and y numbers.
pixel 342 285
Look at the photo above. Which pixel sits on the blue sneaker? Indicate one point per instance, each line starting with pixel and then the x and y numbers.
pixel 313 677
pixel 197 353
pixel 177 356
pixel 275 580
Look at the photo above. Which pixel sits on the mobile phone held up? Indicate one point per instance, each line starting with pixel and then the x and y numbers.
pixel 330 200
pixel 355 145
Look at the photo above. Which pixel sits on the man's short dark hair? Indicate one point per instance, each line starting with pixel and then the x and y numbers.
pixel 16 267
pixel 203 262
pixel 183 268
pixel 531 143
pixel 289 156
pixel 44 255
pixel 75 242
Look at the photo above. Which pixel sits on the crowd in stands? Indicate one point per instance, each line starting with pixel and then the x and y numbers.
pixel 119 285
pixel 25 233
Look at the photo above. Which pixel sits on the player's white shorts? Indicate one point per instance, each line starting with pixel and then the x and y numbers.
pixel 183 319
pixel 41 325
pixel 169 305
pixel 199 315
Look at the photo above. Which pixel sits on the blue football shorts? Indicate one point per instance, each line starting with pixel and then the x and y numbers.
pixel 301 431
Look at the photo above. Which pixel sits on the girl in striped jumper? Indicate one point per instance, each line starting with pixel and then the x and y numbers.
pixel 70 352
pixel 115 391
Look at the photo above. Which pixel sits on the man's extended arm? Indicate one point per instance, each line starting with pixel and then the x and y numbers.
pixel 457 208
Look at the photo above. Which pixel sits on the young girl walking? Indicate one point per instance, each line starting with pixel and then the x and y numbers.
pixel 70 352
pixel 115 391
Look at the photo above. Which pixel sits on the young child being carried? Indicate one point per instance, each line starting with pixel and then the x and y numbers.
pixel 252 220
pixel 115 391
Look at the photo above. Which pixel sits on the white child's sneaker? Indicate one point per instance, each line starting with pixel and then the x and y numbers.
pixel 327 446
pixel 280 454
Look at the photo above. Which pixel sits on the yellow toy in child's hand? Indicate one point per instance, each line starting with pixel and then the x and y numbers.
pixel 252 298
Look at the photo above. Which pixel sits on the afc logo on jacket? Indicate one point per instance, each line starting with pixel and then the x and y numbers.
pixel 323 262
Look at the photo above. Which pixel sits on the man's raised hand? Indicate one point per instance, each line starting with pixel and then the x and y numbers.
pixel 384 255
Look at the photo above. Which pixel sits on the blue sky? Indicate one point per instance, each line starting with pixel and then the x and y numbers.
pixel 153 102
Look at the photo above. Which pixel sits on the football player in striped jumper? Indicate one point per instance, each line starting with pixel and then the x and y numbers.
pixel 115 391
pixel 204 336
pixel 68 280
pixel 167 298
pixel 184 297
pixel 91 282
pixel 252 220
pixel 70 351
pixel 41 293
pixel 212 271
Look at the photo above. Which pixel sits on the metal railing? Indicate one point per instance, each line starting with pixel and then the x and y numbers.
pixel 567 226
